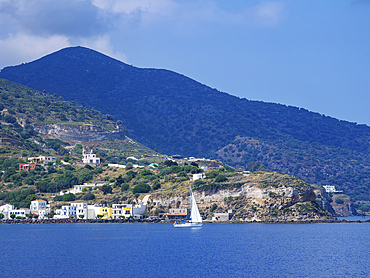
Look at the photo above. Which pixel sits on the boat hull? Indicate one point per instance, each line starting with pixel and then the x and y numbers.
pixel 187 225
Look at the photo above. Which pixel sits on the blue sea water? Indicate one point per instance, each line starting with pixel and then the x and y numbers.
pixel 159 250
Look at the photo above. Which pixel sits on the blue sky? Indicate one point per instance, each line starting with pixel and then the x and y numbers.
pixel 311 54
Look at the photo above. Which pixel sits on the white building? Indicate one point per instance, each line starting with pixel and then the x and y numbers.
pixel 37 205
pixel 198 176
pixel 81 209
pixel 138 209
pixel 5 210
pixel 121 210
pixel 42 159
pixel 90 158
pixel 330 189
pixel 78 188
pixel 68 211
pixel 72 210
pixel 18 212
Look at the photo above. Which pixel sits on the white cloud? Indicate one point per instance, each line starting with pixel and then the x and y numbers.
pixel 269 13
pixel 163 7
pixel 20 47
pixel 102 44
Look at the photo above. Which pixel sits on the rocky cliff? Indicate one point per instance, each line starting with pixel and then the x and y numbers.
pixel 84 133
pixel 255 197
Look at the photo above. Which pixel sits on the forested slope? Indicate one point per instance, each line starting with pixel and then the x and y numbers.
pixel 178 115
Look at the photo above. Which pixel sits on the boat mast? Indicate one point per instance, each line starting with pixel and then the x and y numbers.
pixel 191 203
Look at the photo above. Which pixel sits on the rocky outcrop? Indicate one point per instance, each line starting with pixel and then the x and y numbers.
pixel 82 133
pixel 254 200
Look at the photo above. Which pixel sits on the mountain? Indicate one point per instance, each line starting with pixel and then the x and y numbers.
pixel 34 122
pixel 177 115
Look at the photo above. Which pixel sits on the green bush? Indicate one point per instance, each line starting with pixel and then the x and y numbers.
pixel 141 188
pixel 220 178
pixel 88 196
pixel 106 189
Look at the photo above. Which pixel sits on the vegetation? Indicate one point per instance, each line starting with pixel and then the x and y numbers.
pixel 175 114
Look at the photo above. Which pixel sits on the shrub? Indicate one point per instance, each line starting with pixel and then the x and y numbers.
pixel 10 119
pixel 156 185
pixel 125 187
pixel 220 178
pixel 214 207
pixel 106 189
pixel 88 196
pixel 141 188
pixel 66 197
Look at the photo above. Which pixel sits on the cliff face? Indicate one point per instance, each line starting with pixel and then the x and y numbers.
pixel 84 133
pixel 282 197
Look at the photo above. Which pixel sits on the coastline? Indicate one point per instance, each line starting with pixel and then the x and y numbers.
pixel 107 221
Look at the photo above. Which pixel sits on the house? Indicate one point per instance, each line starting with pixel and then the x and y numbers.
pixel 7 210
pixel 178 214
pixel 73 210
pixel 223 216
pixel 81 209
pixel 90 158
pixel 68 211
pixel 198 176
pixel 138 209
pixel 40 208
pixel 331 189
pixel 105 211
pixel 121 210
pixel 28 167
pixel 4 209
pixel 42 159
pixel 37 205
pixel 18 212
pixel 78 188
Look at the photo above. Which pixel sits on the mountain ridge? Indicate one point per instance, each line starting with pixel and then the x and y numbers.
pixel 177 115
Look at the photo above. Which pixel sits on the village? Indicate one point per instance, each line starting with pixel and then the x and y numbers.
pixel 42 209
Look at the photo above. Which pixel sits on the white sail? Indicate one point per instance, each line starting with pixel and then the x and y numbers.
pixel 195 215
pixel 195 218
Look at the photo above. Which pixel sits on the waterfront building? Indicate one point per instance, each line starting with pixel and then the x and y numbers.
pixel 178 214
pixel 37 205
pixel 121 210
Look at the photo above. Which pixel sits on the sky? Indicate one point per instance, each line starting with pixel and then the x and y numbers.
pixel 310 54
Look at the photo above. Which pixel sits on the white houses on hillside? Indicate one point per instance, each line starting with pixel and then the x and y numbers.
pixel 42 159
pixel 90 158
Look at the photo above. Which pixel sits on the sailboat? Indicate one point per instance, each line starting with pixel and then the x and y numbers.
pixel 195 219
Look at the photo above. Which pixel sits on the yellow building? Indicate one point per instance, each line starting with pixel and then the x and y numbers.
pixel 106 212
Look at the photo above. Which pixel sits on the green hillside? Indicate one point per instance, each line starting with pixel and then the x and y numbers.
pixel 177 115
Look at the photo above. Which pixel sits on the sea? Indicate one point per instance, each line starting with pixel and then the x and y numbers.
pixel 159 250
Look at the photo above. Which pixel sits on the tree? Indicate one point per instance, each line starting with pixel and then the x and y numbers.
pixel 129 166
pixel 10 119
pixel 88 196
pixel 1 216
pixel 220 178
pixel 141 188
pixel 12 216
pixel 106 189
pixel 169 163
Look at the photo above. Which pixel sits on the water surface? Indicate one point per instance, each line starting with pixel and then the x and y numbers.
pixel 159 250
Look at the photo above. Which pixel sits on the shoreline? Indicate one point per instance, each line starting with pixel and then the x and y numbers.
pixel 107 221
